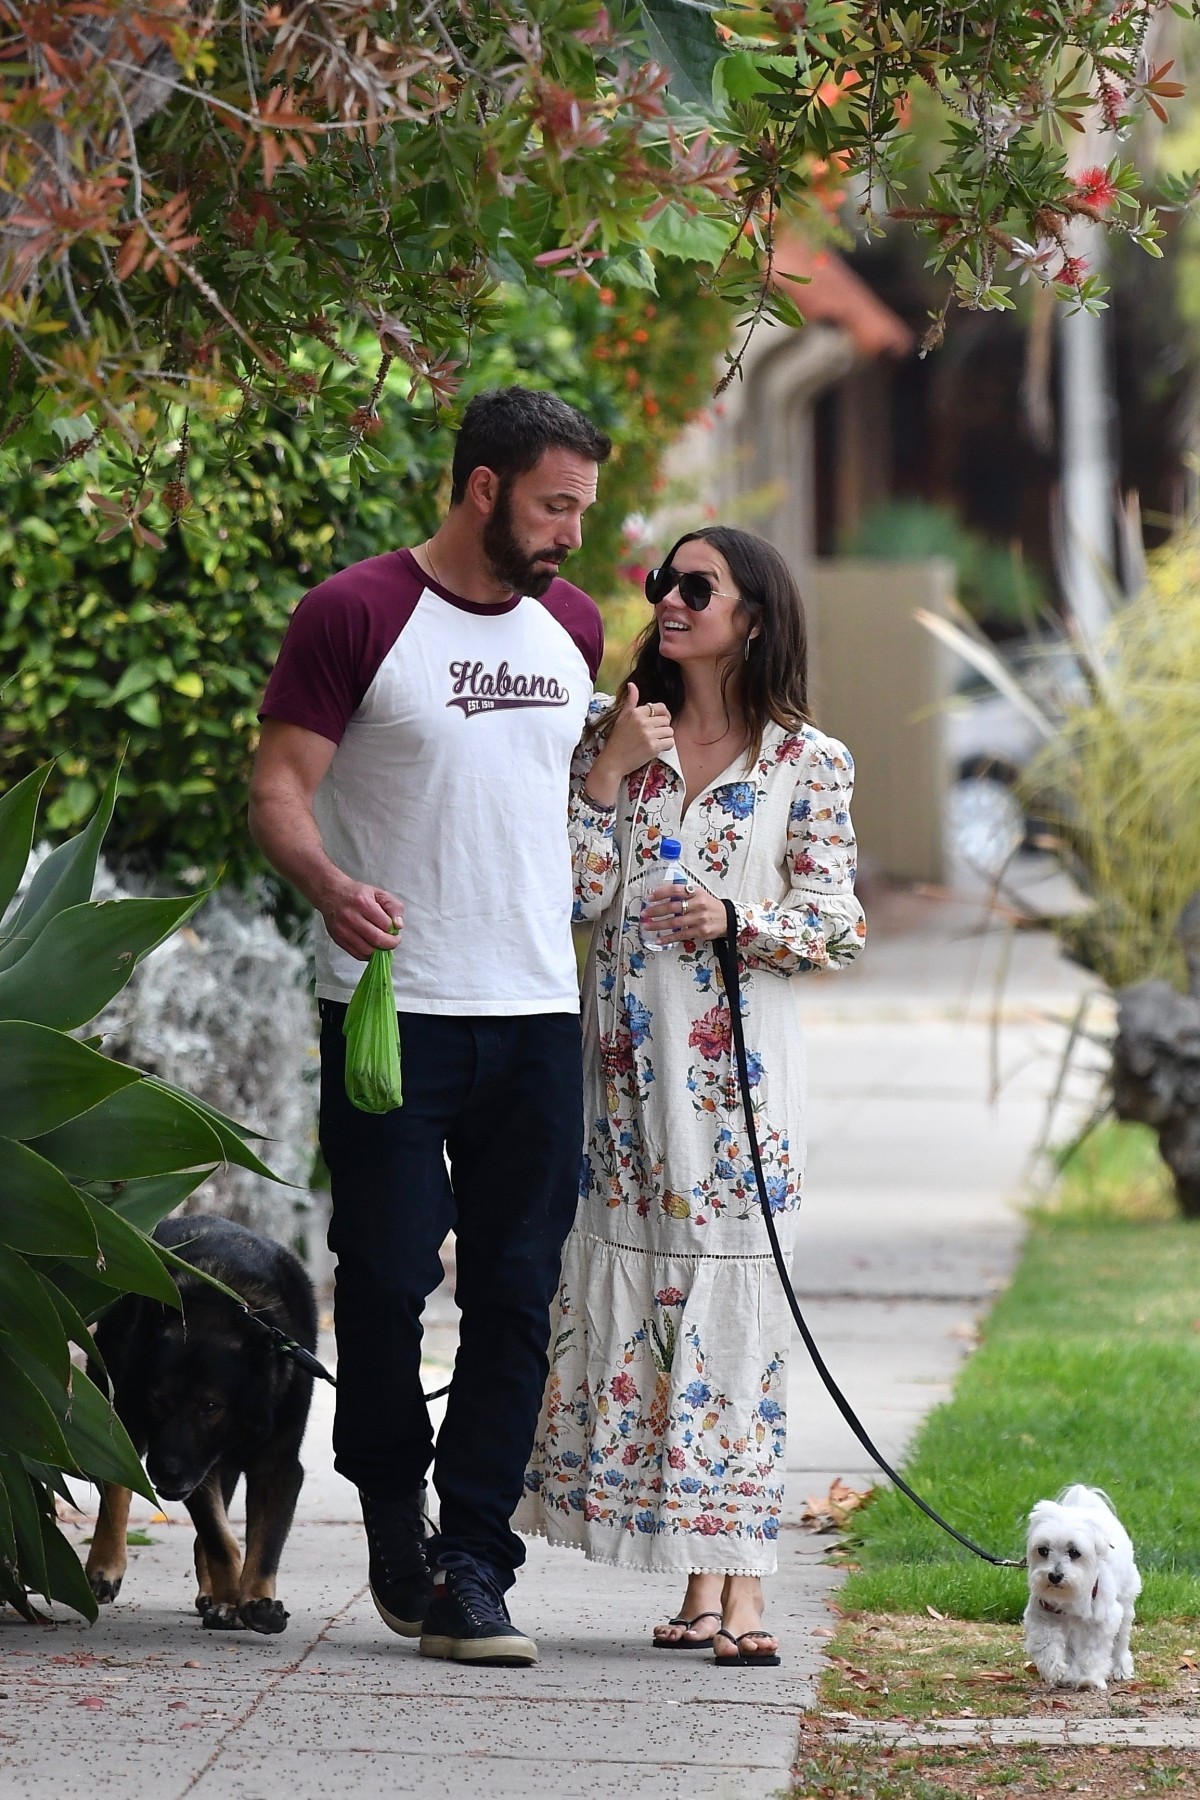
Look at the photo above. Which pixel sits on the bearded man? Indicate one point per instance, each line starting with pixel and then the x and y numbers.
pixel 412 778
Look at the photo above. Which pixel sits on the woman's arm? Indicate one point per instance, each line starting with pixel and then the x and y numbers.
pixel 818 923
pixel 600 765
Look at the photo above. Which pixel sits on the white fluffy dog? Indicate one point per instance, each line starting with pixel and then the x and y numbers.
pixel 1082 1585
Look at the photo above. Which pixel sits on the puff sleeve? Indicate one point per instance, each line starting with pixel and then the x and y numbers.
pixel 818 923
pixel 595 857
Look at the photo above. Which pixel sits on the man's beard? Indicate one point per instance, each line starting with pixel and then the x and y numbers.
pixel 511 564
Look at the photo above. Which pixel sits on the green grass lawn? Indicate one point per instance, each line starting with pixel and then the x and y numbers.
pixel 1088 1370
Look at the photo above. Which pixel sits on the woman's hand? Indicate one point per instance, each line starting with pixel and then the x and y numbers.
pixel 680 912
pixel 639 734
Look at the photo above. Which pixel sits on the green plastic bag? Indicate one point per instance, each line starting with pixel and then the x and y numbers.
pixel 373 1040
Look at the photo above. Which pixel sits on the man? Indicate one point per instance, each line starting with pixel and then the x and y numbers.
pixel 413 776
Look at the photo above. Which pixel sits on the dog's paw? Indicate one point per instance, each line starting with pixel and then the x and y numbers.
pixel 1092 1684
pixel 1123 1669
pixel 105 1587
pixel 222 1618
pixel 269 1616
pixel 203 1604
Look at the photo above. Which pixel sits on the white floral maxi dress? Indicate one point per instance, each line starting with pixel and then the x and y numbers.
pixel 661 1439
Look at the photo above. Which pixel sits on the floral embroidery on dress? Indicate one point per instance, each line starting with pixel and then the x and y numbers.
pixel 662 1436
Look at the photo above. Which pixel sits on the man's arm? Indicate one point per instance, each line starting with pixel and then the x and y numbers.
pixel 288 770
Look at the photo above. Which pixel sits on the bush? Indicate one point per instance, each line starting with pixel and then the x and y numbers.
pixel 991 581
pixel 1121 782
pixel 157 637
pixel 92 1154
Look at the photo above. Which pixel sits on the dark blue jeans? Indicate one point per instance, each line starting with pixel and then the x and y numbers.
pixel 501 1099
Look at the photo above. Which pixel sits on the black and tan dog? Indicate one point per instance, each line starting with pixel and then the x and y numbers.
pixel 207 1397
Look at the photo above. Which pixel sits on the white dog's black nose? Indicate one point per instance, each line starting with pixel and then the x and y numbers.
pixel 1056 1576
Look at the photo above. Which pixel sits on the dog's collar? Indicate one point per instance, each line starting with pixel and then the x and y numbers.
pixel 1046 1606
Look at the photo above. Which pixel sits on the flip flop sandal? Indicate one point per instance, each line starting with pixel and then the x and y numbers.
pixel 680 1643
pixel 763 1659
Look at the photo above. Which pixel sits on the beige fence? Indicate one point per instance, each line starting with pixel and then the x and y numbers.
pixel 880 682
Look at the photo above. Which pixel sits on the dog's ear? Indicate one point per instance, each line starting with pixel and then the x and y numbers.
pixel 1101 1542
pixel 1042 1515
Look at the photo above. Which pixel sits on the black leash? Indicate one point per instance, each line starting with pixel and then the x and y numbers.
pixel 287 1346
pixel 726 952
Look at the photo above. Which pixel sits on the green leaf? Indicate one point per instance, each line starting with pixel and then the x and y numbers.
pixel 693 240
pixel 71 1319
pixel 137 677
pixel 30 1316
pixel 18 814
pixel 26 1517
pixel 99 1442
pixel 41 1214
pixel 634 270
pixel 8 1536
pixel 27 1424
pixel 66 1580
pixel 47 1079
pixel 738 77
pixel 682 37
pixel 84 956
pixel 232 1135
pixel 80 1286
pixel 64 879
pixel 144 1129
pixel 144 709
pixel 130 1260
pixel 152 1197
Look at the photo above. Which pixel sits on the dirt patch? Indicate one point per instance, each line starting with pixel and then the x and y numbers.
pixel 830 1771
pixel 881 1666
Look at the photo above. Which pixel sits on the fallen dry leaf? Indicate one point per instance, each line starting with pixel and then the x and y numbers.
pixel 829 1512
pixel 934 1613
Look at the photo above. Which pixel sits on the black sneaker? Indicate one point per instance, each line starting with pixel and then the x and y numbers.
pixel 401 1585
pixel 467 1620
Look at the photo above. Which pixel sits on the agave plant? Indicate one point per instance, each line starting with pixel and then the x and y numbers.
pixel 93 1153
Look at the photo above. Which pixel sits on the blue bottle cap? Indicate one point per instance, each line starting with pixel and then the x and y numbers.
pixel 670 849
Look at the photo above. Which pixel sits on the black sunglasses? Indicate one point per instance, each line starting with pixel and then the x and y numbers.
pixel 695 590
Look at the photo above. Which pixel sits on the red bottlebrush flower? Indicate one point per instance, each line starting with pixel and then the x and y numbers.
pixel 1096 187
pixel 175 497
pixel 1073 270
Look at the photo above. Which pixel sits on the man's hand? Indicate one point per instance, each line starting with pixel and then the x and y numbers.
pixel 290 766
pixel 360 919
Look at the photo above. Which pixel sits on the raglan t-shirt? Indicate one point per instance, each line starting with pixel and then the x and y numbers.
pixel 455 725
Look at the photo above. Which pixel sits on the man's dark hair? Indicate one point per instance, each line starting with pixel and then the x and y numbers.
pixel 510 429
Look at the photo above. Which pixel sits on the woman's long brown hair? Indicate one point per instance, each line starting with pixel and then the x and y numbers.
pixel 771 683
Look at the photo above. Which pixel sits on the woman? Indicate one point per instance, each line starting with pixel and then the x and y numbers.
pixel 661 1442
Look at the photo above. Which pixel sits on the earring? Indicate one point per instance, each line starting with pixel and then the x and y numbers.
pixel 746 653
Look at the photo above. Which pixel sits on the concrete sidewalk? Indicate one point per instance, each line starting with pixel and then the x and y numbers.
pixel 908 1230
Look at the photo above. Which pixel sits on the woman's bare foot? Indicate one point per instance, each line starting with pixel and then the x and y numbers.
pixel 741 1614
pixel 699 1616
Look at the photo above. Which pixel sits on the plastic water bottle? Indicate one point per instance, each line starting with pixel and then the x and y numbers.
pixel 667 868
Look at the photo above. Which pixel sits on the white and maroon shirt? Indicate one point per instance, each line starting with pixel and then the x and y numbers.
pixel 455 725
